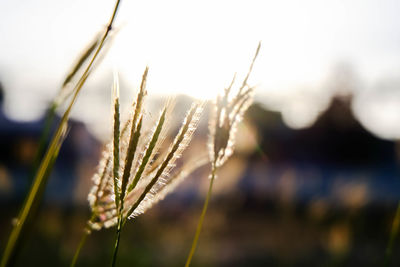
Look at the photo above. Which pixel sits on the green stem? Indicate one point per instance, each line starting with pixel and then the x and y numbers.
pixel 393 234
pixel 32 201
pixel 118 234
pixel 116 245
pixel 44 169
pixel 78 250
pixel 43 138
pixel 86 232
pixel 203 213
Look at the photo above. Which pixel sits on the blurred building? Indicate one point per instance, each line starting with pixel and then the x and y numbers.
pixel 335 159
pixel 19 143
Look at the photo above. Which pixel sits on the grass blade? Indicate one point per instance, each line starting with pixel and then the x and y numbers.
pixel 116 142
pixel 135 133
pixel 129 158
pixel 139 100
pixel 45 167
pixel 393 235
pixel 79 63
pixel 33 198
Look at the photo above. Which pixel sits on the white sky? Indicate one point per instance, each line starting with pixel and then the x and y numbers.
pixel 195 47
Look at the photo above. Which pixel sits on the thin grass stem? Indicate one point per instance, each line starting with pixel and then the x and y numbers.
pixel 30 206
pixel 133 142
pixel 201 220
pixel 43 138
pixel 51 112
pixel 78 250
pixel 86 232
pixel 78 65
pixel 393 235
pixel 33 198
pixel 118 237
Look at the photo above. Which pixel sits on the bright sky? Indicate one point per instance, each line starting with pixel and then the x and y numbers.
pixel 195 47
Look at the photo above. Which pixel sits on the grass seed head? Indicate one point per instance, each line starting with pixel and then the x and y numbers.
pixel 228 112
pixel 144 179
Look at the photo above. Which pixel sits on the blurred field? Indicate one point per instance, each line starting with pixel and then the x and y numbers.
pixel 321 196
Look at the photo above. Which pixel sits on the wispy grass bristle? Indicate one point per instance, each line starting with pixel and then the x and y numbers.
pixel 140 97
pixel 174 180
pixel 158 153
pixel 228 113
pixel 146 169
pixel 149 151
pixel 178 146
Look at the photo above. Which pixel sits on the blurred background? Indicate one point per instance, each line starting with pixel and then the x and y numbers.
pixel 315 180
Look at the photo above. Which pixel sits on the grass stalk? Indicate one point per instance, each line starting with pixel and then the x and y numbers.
pixel 116 245
pixel 228 113
pixel 86 232
pixel 132 145
pixel 43 138
pixel 393 235
pixel 79 248
pixel 202 216
pixel 33 199
pixel 34 196
pixel 80 62
pixel 51 112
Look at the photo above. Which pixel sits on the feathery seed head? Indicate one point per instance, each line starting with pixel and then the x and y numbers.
pixel 228 112
pixel 142 174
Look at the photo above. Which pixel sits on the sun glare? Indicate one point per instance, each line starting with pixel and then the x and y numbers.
pixel 195 48
pixel 196 56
